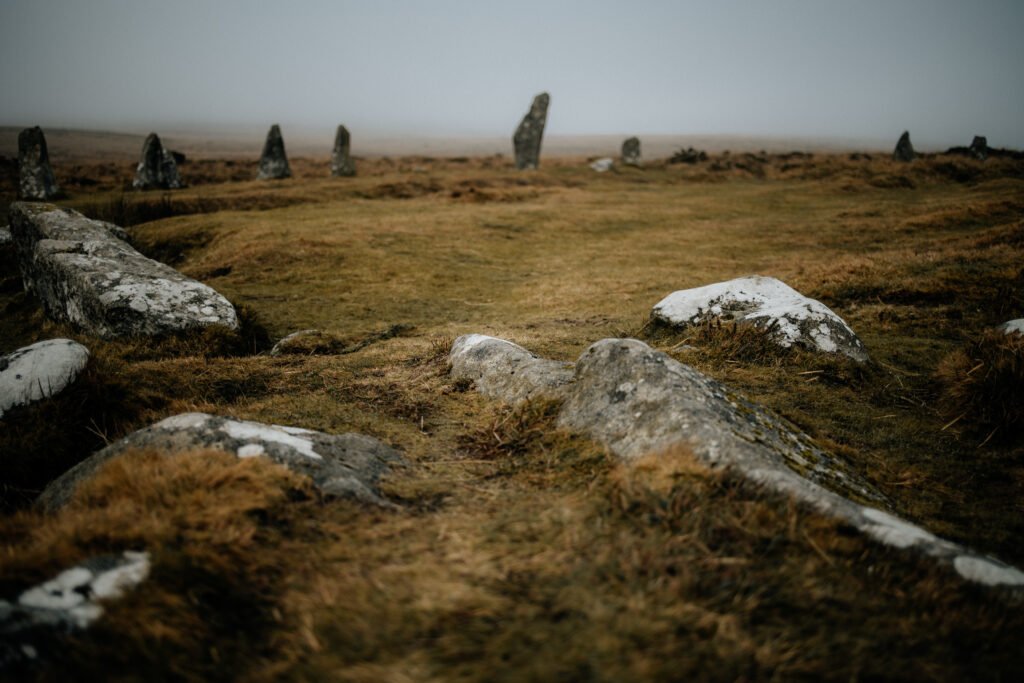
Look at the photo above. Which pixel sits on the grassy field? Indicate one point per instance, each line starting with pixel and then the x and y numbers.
pixel 523 552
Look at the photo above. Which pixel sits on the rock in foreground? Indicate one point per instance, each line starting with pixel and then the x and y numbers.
pixel 273 160
pixel 345 465
pixel 528 135
pixel 157 167
pixel 1013 326
pixel 766 303
pixel 35 177
pixel 39 371
pixel 85 276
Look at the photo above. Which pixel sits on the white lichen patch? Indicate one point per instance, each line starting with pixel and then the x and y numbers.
pixel 1013 326
pixel 894 531
pixel 766 303
pixel 254 431
pixel 988 572
pixel 251 450
pixel 39 371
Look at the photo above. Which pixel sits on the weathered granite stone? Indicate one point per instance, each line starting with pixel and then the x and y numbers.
pixel 69 602
pixel 979 147
pixel 85 276
pixel 639 401
pixel 631 151
pixel 35 177
pixel 603 165
pixel 528 135
pixel 273 161
pixel 766 303
pixel 39 371
pixel 904 150
pixel 283 344
pixel 503 370
pixel 340 465
pixel 1013 326
pixel 157 168
pixel 342 164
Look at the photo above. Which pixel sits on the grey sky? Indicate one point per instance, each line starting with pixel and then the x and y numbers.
pixel 856 69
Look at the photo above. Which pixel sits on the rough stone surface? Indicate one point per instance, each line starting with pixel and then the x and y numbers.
pixel 766 303
pixel 282 346
pixel 157 168
pixel 1013 326
pixel 39 371
pixel 85 276
pixel 528 135
pixel 904 150
pixel 69 602
pixel 631 151
pixel 603 165
pixel 979 147
pixel 503 370
pixel 273 161
pixel 35 177
pixel 343 465
pixel 342 164
pixel 639 401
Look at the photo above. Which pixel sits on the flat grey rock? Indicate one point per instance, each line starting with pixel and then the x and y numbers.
pixel 766 303
pixel 342 164
pixel 157 167
pixel 603 165
pixel 342 465
pixel 273 160
pixel 39 371
pixel 904 150
pixel 528 135
pixel 503 370
pixel 69 602
pixel 35 176
pixel 631 151
pixel 86 276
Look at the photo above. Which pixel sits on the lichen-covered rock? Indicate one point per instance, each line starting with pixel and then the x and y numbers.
pixel 766 303
pixel 293 339
pixel 342 164
pixel 273 160
pixel 603 165
pixel 1013 326
pixel 342 465
pixel 157 167
pixel 35 177
pixel 85 276
pixel 503 370
pixel 39 371
pixel 631 151
pixel 904 150
pixel 979 147
pixel 528 135
pixel 69 602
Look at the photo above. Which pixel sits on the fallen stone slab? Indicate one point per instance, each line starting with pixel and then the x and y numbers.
pixel 1013 326
pixel 603 165
pixel 342 165
pixel 157 167
pixel 506 371
pixel 69 602
pixel 529 134
pixel 631 151
pixel 904 149
pixel 35 176
pixel 273 160
pixel 340 465
pixel 85 276
pixel 39 371
pixel 767 303
pixel 639 401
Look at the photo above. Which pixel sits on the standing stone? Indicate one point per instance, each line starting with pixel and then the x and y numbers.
pixel 157 168
pixel 904 150
pixel 341 161
pixel 631 151
pixel 36 179
pixel 273 161
pixel 979 148
pixel 529 133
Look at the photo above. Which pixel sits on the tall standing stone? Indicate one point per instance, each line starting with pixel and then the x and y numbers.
pixel 341 160
pixel 157 168
pixel 529 133
pixel 904 150
pixel 631 151
pixel 36 179
pixel 273 161
pixel 979 147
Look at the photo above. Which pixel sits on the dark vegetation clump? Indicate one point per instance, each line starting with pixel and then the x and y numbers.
pixel 983 387
pixel 688 156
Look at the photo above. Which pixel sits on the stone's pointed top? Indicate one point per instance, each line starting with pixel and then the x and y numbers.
pixel 157 168
pixel 528 135
pixel 631 151
pixel 342 164
pixel 904 150
pixel 35 177
pixel 273 160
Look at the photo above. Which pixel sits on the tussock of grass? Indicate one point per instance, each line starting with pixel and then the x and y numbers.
pixel 983 387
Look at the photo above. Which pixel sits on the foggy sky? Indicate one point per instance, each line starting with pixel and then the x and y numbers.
pixel 943 69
